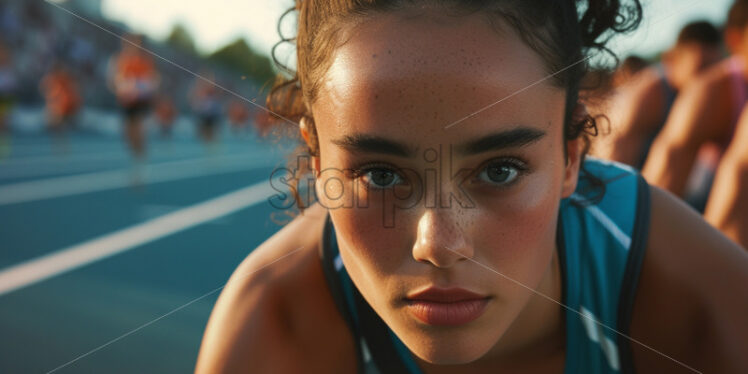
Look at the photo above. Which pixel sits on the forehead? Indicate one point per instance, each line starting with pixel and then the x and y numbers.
pixel 417 72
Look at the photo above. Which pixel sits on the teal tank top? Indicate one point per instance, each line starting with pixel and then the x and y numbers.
pixel 601 237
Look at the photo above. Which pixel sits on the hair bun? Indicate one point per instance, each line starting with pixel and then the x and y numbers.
pixel 601 19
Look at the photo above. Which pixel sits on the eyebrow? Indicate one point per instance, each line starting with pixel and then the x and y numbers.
pixel 514 138
pixel 374 144
pixel 518 137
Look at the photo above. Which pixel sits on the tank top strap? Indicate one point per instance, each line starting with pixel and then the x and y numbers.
pixel 339 287
pixel 604 243
pixel 378 350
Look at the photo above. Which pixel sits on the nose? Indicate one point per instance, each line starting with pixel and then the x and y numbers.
pixel 440 239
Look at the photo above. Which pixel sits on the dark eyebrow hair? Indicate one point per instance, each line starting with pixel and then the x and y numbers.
pixel 506 139
pixel 374 144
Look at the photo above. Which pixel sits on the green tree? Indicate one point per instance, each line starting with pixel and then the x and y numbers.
pixel 180 38
pixel 239 55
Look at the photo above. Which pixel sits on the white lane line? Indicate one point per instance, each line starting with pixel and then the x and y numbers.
pixel 51 170
pixel 62 157
pixel 38 152
pixel 88 164
pixel 34 148
pixel 113 179
pixel 68 259
pixel 38 166
pixel 71 155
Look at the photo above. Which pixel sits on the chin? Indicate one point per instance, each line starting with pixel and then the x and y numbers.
pixel 451 356
pixel 448 351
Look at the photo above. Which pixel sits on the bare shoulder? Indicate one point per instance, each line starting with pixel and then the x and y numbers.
pixel 275 314
pixel 644 86
pixel 645 81
pixel 711 86
pixel 645 96
pixel 706 97
pixel 715 78
pixel 692 297
pixel 644 93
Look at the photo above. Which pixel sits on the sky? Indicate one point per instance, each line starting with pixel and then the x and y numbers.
pixel 214 23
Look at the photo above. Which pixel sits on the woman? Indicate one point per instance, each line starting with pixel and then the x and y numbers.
pixel 462 235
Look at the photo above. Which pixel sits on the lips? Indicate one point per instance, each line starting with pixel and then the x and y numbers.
pixel 446 306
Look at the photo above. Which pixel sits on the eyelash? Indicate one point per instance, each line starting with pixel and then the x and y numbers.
pixel 518 164
pixel 360 171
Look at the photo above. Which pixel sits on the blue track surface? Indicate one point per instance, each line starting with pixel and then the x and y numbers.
pixel 51 322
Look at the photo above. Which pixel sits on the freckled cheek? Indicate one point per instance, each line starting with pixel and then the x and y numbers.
pixel 522 226
pixel 381 250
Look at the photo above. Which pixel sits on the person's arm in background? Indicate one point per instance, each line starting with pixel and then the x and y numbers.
pixel 635 113
pixel 727 208
pixel 701 113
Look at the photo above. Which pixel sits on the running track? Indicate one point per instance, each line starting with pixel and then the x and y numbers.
pixel 86 255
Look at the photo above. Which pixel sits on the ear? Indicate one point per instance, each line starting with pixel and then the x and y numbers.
pixel 573 164
pixel 305 128
pixel 573 155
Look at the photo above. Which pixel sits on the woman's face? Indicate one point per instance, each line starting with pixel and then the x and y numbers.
pixel 440 171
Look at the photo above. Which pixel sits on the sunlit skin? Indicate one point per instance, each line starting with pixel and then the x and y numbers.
pixel 727 209
pixel 703 113
pixel 636 110
pixel 403 78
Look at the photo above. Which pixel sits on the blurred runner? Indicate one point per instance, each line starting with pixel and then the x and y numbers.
pixel 61 97
pixel 238 115
pixel 206 103
pixel 641 105
pixel 7 94
pixel 134 81
pixel 165 113
pixel 703 120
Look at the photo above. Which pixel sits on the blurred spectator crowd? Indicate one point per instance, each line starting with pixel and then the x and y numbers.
pixel 39 40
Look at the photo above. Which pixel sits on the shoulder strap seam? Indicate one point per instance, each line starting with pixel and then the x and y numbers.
pixel 376 332
pixel 629 283
pixel 336 289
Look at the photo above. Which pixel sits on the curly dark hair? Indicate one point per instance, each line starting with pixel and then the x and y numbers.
pixel 564 33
